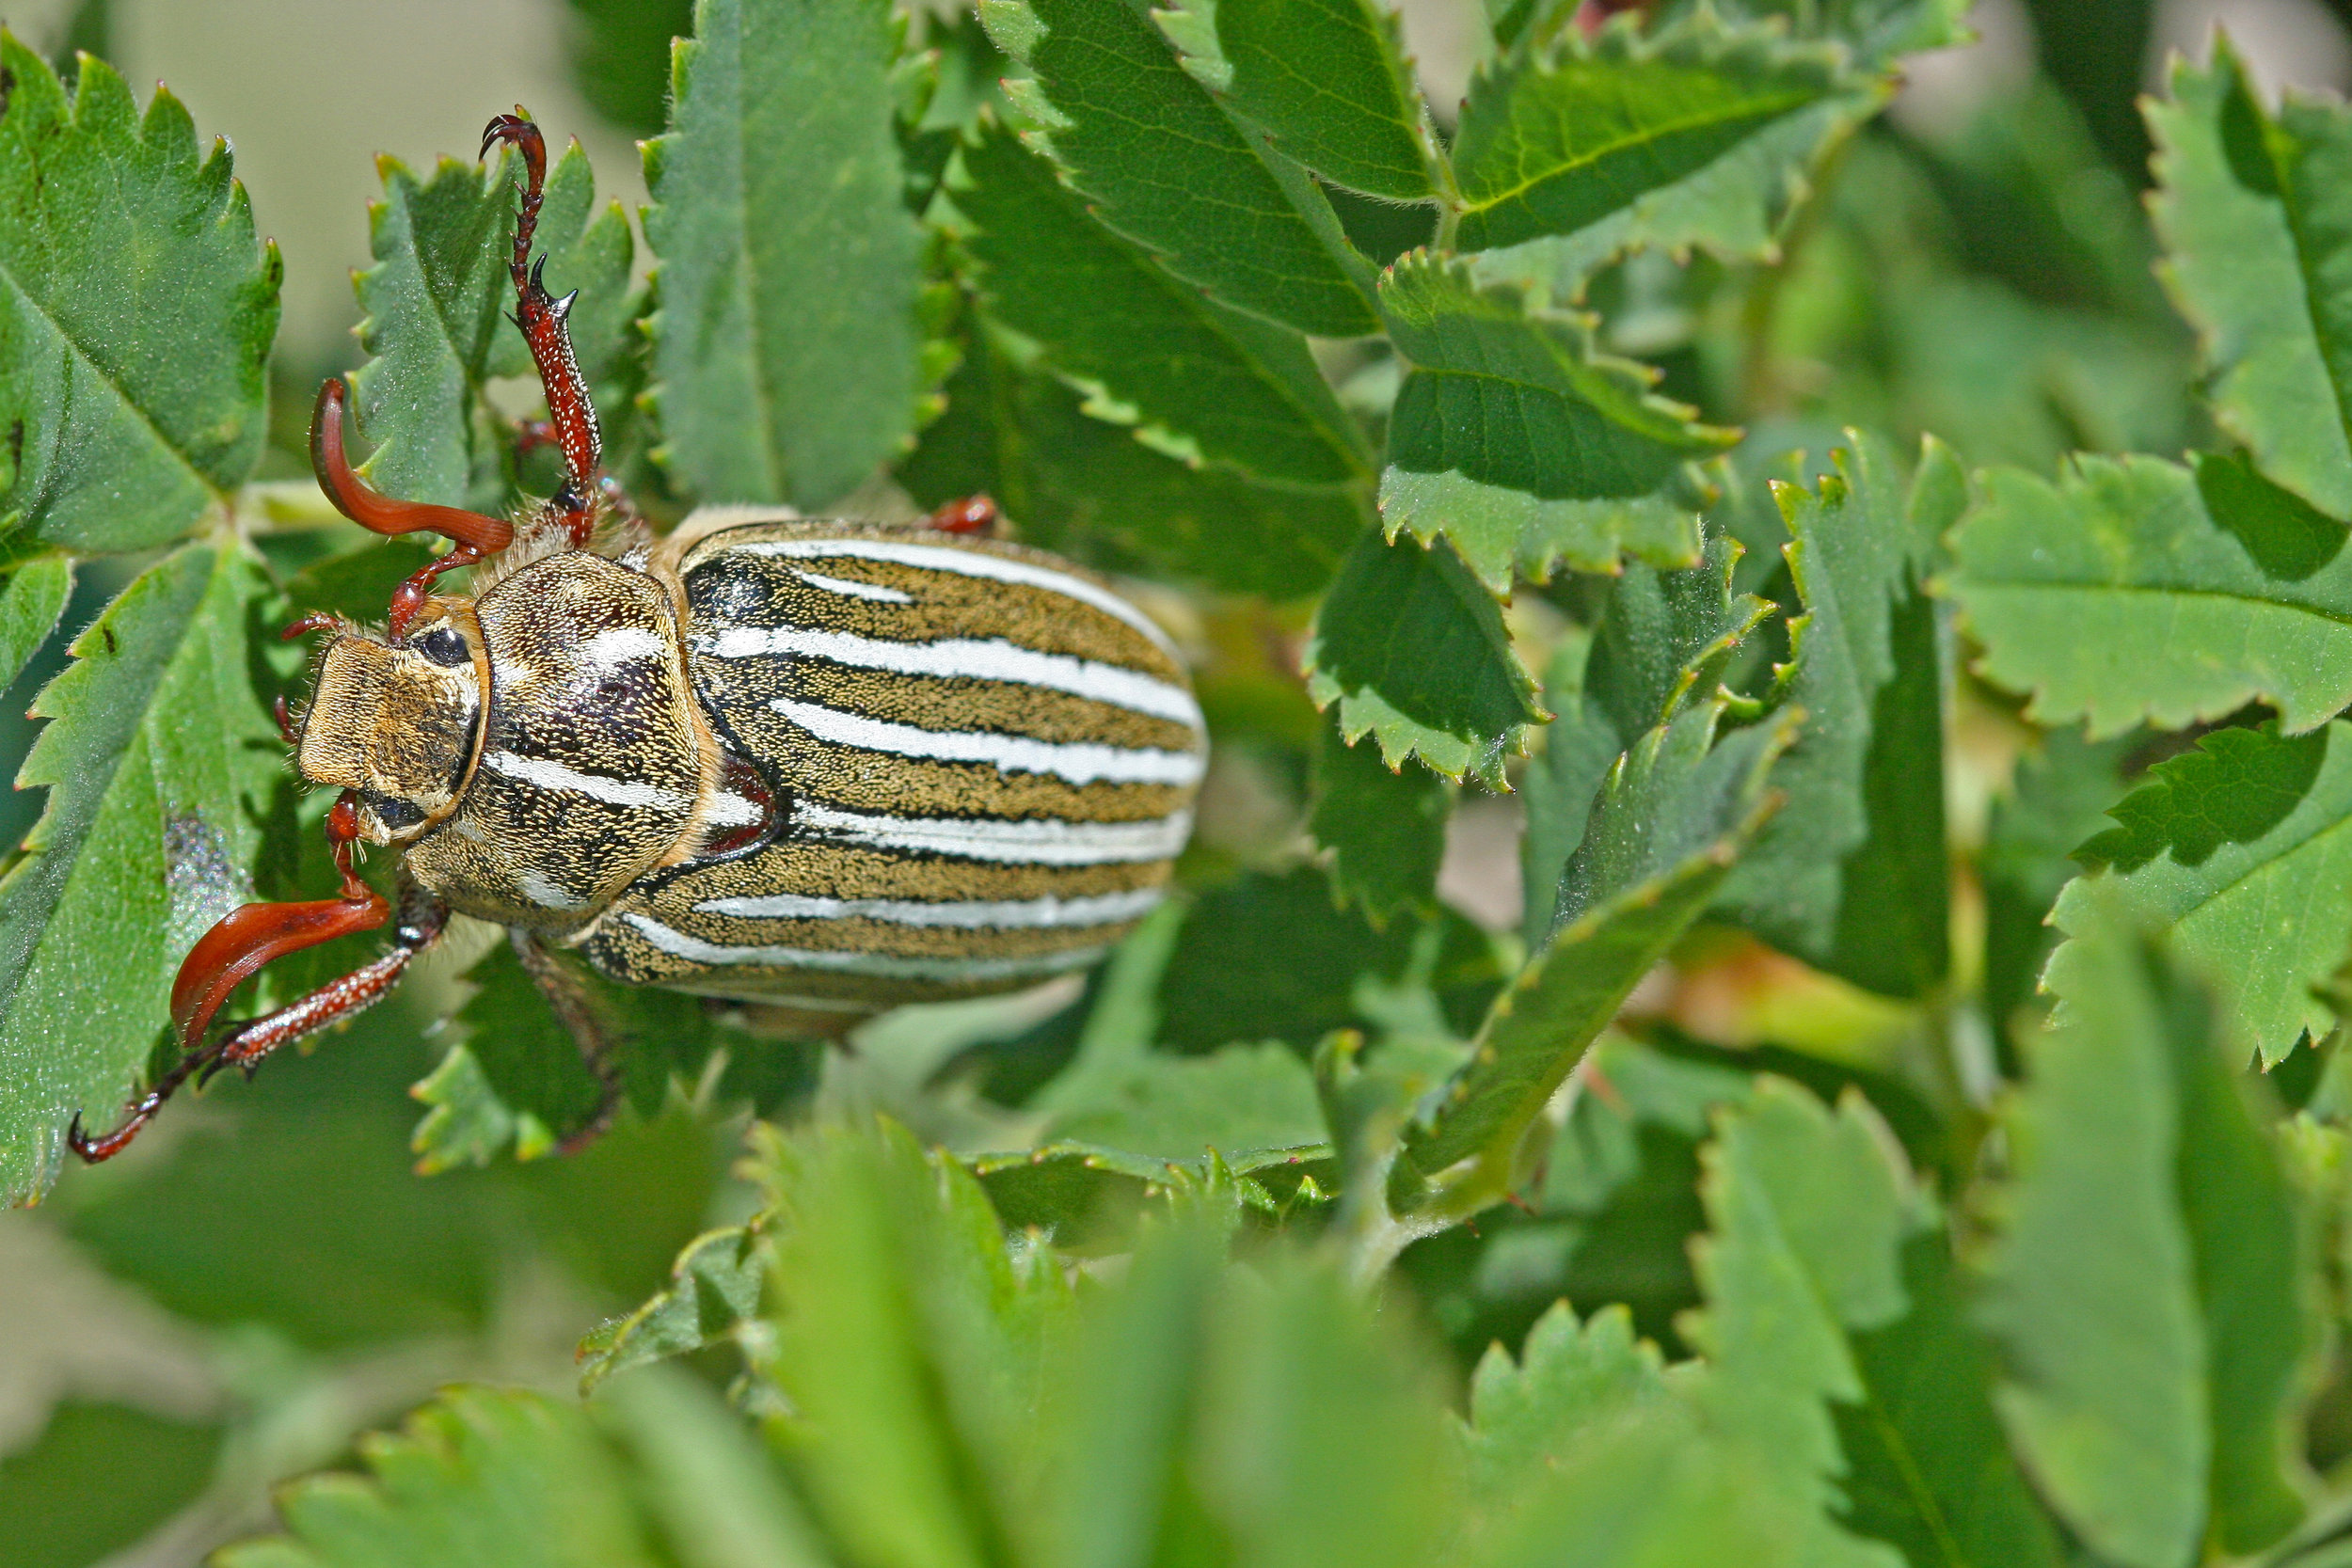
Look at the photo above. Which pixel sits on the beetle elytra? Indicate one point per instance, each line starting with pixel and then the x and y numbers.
pixel 824 766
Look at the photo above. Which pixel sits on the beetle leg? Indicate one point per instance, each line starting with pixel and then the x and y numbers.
pixel 571 415
pixel 422 918
pixel 570 1001
pixel 972 515
pixel 475 536
pixel 241 941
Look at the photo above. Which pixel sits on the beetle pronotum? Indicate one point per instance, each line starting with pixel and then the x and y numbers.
pixel 826 766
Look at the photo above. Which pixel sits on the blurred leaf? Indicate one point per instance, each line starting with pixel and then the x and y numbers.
pixel 1413 650
pixel 478 1479
pixel 159 760
pixel 2137 590
pixel 1196 379
pixel 786 351
pixel 2098 54
pixel 1569 1379
pixel 906 1344
pixel 2257 241
pixel 704 1474
pixel 1269 956
pixel 99 1479
pixel 1355 118
pixel 1090 1199
pixel 715 1289
pixel 2237 850
pixel 621 57
pixel 2059 798
pixel 1814 1237
pixel 2143 1282
pixel 1515 438
pixel 1675 813
pixel 1558 787
pixel 30 608
pixel 1240 1101
pixel 1385 828
pixel 1091 489
pixel 1851 877
pixel 1169 168
pixel 138 318
pixel 1697 133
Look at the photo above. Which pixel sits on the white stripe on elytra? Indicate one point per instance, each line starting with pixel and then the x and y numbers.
pixel 1098 909
pixel 969 563
pixel 873 590
pixel 885 965
pixel 535 885
pixel 549 774
pixel 732 811
pixel 1005 841
pixel 991 658
pixel 1081 762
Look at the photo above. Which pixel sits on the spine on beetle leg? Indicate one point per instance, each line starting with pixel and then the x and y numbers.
pixel 990 762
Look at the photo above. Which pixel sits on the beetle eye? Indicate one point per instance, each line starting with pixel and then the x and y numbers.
pixel 442 645
pixel 394 812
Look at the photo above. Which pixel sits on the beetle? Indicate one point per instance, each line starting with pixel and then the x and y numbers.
pixel 820 765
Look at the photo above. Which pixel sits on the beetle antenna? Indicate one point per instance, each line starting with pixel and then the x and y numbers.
pixel 571 415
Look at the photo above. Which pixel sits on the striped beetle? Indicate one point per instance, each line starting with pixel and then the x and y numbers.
pixel 828 767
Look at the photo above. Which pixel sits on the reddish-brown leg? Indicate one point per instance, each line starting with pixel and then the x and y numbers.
pixel 473 535
pixel 571 1002
pixel 231 952
pixel 972 515
pixel 422 918
pixel 571 420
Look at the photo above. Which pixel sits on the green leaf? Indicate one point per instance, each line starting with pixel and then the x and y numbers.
pixel 1852 876
pixel 1557 790
pixel 906 1344
pixel 1090 1199
pixel 159 760
pixel 2258 236
pixel 478 1479
pixel 1817 1238
pixel 1241 1100
pixel 2136 590
pixel 1328 78
pixel 1198 380
pixel 1171 170
pixel 2143 1282
pixel 1698 134
pixel 2058 798
pixel 1090 490
pixel 30 607
pixel 1677 810
pixel 137 319
pixel 1570 1379
pixel 704 1474
pixel 2238 851
pixel 1515 438
pixel 1269 956
pixel 1385 827
pixel 715 1289
pixel 1412 648
pixel 787 353
pixel 1666 637
pixel 1875 30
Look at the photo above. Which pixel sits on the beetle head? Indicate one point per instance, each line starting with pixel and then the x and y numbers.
pixel 397 722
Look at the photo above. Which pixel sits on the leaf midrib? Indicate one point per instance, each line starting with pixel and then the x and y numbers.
pixel 1763 112
pixel 82 356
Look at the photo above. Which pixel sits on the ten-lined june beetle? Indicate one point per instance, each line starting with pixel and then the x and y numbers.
pixel 825 766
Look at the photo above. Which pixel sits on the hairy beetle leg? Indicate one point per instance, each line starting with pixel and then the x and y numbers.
pixel 571 1003
pixel 237 946
pixel 571 422
pixel 475 536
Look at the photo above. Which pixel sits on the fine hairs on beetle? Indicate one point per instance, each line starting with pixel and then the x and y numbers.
pixel 820 766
